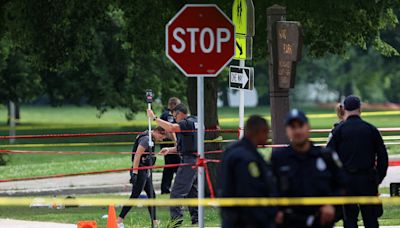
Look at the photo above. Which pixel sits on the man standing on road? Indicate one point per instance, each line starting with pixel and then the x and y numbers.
pixel 305 170
pixel 185 184
pixel 363 154
pixel 140 179
pixel 168 173
pixel 246 174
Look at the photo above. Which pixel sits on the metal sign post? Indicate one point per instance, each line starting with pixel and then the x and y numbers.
pixel 149 100
pixel 243 18
pixel 200 144
pixel 241 107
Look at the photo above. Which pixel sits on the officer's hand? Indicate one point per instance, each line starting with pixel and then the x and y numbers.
pixel 133 178
pixel 279 217
pixel 150 113
pixel 327 214
pixel 164 151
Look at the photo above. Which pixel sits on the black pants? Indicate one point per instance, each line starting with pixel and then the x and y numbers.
pixel 168 173
pixel 143 183
pixel 185 186
pixel 362 185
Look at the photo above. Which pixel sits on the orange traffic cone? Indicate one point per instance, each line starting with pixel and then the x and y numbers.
pixel 87 224
pixel 112 218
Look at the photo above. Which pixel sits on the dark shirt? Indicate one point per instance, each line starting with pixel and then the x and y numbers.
pixel 143 140
pixel 167 116
pixel 246 174
pixel 187 137
pixel 360 147
pixel 317 172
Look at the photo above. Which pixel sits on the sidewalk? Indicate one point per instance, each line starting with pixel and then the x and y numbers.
pixel 11 223
pixel 89 184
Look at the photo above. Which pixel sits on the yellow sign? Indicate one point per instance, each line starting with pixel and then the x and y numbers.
pixel 243 17
pixel 243 47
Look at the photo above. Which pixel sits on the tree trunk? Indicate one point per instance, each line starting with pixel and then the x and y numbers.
pixel 210 119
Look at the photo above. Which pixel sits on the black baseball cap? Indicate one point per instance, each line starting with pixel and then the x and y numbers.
pixel 352 103
pixel 296 114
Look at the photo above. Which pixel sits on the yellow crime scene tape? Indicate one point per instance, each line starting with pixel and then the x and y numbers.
pixel 217 202
pixel 322 115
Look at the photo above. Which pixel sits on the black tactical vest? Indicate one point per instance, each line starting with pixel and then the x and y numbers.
pixel 187 141
pixel 146 158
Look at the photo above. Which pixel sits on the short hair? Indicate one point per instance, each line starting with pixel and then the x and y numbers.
pixel 173 102
pixel 180 108
pixel 255 123
pixel 159 129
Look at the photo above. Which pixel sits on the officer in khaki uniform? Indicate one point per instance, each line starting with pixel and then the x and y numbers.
pixel 246 174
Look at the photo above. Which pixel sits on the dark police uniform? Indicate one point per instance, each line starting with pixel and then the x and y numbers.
pixel 314 173
pixel 365 160
pixel 168 173
pixel 185 184
pixel 246 174
pixel 143 181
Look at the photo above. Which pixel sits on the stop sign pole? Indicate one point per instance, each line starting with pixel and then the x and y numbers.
pixel 200 41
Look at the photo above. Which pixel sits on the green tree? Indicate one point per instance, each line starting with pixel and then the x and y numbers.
pixel 18 79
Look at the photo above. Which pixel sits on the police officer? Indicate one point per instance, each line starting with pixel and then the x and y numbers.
pixel 185 184
pixel 168 173
pixel 246 174
pixel 340 115
pixel 305 170
pixel 365 160
pixel 140 179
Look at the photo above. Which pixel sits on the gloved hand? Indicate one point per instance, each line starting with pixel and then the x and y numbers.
pixel 133 178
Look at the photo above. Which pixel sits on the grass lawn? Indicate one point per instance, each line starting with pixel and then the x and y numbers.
pixel 137 217
pixel 72 119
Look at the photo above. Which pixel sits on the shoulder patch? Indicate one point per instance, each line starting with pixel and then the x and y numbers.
pixel 320 164
pixel 253 169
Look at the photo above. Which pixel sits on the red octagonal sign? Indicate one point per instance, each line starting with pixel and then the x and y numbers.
pixel 200 40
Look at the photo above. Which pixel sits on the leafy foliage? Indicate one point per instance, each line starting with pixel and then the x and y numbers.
pixel 107 52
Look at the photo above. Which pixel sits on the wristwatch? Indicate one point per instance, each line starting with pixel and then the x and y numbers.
pixel 155 118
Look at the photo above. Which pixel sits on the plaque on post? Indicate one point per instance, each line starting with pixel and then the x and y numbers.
pixel 289 47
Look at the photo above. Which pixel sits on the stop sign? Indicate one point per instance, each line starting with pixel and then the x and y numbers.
pixel 200 40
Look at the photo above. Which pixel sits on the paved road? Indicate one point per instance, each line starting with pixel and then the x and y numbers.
pixel 102 183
